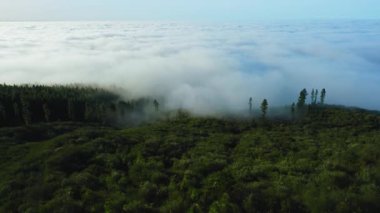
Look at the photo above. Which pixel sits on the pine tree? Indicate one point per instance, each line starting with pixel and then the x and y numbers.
pixel 302 99
pixel 315 96
pixel 312 96
pixel 264 107
pixel 250 105
pixel 323 96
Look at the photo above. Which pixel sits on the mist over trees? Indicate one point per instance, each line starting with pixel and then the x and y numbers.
pixel 299 109
pixel 182 163
pixel 326 161
pixel 27 104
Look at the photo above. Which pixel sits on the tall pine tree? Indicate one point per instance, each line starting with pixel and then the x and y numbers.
pixel 312 97
pixel 250 106
pixel 302 99
pixel 264 107
pixel 323 96
pixel 315 96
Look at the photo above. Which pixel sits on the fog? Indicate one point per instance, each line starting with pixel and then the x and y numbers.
pixel 199 67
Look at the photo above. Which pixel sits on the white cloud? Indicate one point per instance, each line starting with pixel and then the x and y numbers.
pixel 203 68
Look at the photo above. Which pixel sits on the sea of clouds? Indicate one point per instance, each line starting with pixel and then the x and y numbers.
pixel 205 68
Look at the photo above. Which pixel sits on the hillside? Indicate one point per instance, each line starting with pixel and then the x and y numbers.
pixel 28 104
pixel 326 161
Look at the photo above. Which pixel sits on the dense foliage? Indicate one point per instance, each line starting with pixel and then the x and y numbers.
pixel 29 104
pixel 328 160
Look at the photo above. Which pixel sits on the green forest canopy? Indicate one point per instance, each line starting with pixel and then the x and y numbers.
pixel 326 159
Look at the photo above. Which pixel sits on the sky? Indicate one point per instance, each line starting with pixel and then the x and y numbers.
pixel 186 10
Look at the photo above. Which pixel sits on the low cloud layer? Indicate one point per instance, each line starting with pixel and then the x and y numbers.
pixel 204 68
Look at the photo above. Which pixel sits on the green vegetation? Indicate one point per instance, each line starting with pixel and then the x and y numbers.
pixel 328 160
pixel 264 108
pixel 29 104
pixel 302 99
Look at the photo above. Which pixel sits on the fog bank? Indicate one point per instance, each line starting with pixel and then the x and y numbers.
pixel 202 68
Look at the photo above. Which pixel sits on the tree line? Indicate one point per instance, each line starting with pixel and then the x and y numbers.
pixel 314 97
pixel 26 104
pixel 301 103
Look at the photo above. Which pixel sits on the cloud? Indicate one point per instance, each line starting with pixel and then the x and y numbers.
pixel 205 68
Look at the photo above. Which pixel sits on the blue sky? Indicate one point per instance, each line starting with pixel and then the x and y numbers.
pixel 187 10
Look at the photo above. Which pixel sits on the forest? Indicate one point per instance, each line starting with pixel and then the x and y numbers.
pixel 27 104
pixel 63 149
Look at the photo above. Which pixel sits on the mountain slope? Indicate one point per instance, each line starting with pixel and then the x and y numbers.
pixel 327 161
